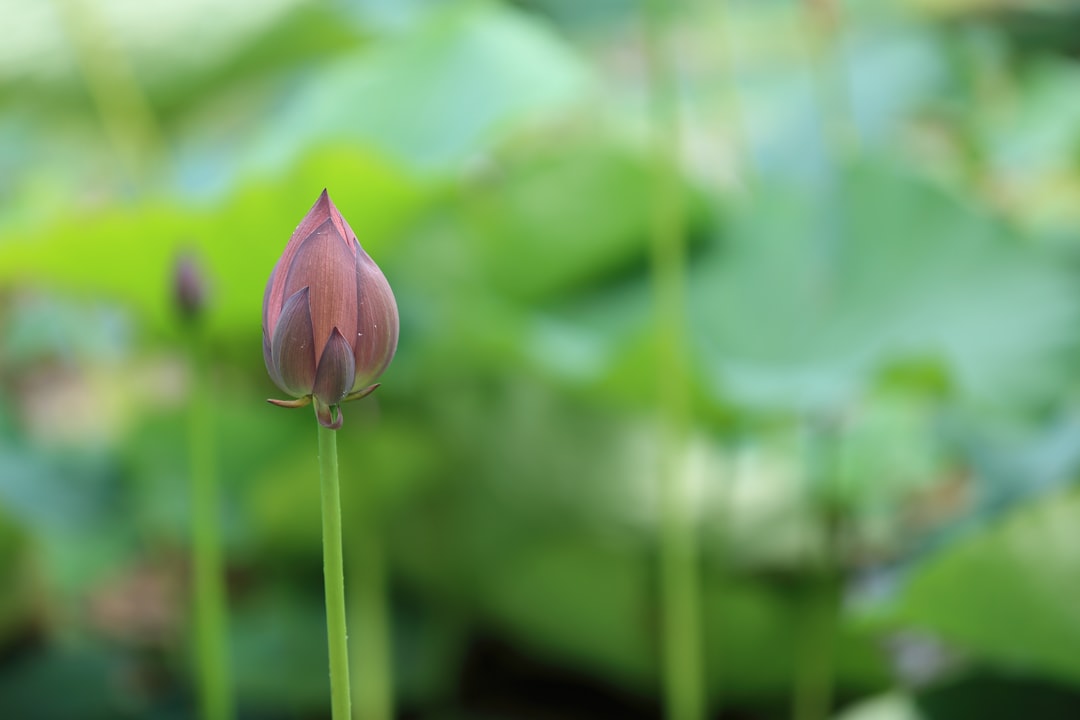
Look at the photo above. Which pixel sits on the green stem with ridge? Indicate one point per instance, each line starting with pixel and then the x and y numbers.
pixel 334 574
pixel 683 682
pixel 211 626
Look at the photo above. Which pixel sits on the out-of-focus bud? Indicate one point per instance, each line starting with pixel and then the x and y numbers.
pixel 330 322
pixel 189 286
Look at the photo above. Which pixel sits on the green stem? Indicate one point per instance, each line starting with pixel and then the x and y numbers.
pixel 211 626
pixel 816 652
pixel 374 698
pixel 816 658
pixel 683 682
pixel 334 575
pixel 682 661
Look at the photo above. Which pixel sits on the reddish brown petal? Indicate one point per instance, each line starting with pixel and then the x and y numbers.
pixel 340 224
pixel 336 370
pixel 292 348
pixel 376 323
pixel 325 264
pixel 268 332
pixel 267 327
pixel 316 216
pixel 276 293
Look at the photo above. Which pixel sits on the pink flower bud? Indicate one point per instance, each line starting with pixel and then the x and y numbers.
pixel 330 322
pixel 189 286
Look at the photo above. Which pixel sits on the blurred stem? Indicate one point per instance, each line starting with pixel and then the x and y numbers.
pixel 211 625
pixel 123 107
pixel 816 655
pixel 682 671
pixel 334 574
pixel 375 699
pixel 815 658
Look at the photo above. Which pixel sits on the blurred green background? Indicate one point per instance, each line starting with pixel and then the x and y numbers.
pixel 882 304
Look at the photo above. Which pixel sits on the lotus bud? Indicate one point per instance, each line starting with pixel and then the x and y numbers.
pixel 189 286
pixel 330 322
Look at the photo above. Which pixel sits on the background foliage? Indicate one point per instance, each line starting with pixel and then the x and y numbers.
pixel 882 209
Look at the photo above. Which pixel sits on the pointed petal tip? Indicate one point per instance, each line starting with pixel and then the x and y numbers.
pixel 322 208
pixel 362 393
pixel 336 370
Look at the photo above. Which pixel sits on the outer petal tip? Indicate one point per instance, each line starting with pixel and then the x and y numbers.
pixel 336 370
pixel 362 393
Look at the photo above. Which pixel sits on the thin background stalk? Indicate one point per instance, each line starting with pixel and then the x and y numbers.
pixel 680 583
pixel 814 681
pixel 334 575
pixel 821 602
pixel 371 622
pixel 816 653
pixel 211 626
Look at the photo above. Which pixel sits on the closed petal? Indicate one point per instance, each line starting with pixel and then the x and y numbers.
pixel 325 263
pixel 336 370
pixel 268 329
pixel 276 292
pixel 319 213
pixel 292 347
pixel 340 223
pixel 376 322
pixel 268 358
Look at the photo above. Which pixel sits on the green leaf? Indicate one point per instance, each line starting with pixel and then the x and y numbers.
pixel 279 641
pixel 891 706
pixel 66 683
pixel 1022 575
pixel 804 303
pixel 437 96
pixel 549 226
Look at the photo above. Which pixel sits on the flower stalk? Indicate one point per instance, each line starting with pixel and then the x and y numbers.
pixel 371 622
pixel 211 625
pixel 209 597
pixel 683 672
pixel 334 574
pixel 330 328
